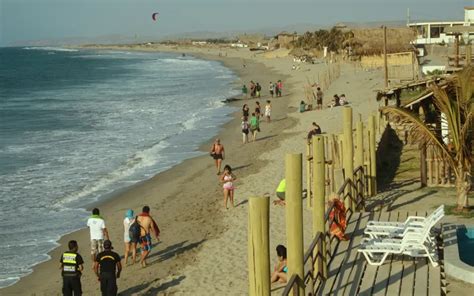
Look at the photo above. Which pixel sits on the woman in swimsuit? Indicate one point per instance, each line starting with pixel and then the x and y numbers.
pixel 245 111
pixel 280 271
pixel 227 178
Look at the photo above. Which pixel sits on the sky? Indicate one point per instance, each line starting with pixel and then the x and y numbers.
pixel 56 19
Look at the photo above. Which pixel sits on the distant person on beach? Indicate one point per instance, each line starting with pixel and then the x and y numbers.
pixel 280 193
pixel 302 106
pixel 254 126
pixel 337 101
pixel 107 268
pixel 71 270
pixel 268 110
pixel 257 109
pixel 244 91
pixel 279 88
pixel 148 225
pixel 218 153
pixel 315 130
pixel 245 130
pixel 319 98
pixel 252 89
pixel 271 89
pixel 245 111
pixel 280 270
pixel 130 244
pixel 227 178
pixel 98 232
pixel 258 89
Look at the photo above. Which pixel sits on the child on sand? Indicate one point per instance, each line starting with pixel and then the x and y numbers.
pixel 271 88
pixel 244 91
pixel 280 270
pixel 227 178
pixel 302 106
pixel 268 110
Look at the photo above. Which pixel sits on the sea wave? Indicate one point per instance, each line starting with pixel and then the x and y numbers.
pixel 48 48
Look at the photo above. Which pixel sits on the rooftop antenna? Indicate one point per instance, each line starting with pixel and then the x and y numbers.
pixel 408 16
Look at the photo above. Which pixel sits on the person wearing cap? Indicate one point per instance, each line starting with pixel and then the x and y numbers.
pixel 108 267
pixel 71 268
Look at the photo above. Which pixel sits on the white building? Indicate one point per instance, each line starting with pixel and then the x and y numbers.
pixel 438 32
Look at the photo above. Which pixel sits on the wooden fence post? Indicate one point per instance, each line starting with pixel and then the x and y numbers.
pixel 372 157
pixel 294 216
pixel 309 195
pixel 359 147
pixel 258 246
pixel 348 156
pixel 319 200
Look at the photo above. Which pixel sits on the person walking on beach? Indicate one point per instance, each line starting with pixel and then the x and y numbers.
pixel 97 232
pixel 227 178
pixel 244 91
pixel 252 89
pixel 319 98
pixel 148 225
pixel 218 153
pixel 71 270
pixel 107 268
pixel 257 109
pixel 268 110
pixel 245 111
pixel 271 89
pixel 254 126
pixel 130 243
pixel 245 130
pixel 279 88
pixel 258 89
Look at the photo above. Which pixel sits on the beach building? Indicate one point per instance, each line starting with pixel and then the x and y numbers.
pixel 284 39
pixel 436 32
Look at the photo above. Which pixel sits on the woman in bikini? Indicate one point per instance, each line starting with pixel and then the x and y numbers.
pixel 280 271
pixel 227 178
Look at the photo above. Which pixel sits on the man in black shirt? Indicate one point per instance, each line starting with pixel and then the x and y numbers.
pixel 110 268
pixel 71 267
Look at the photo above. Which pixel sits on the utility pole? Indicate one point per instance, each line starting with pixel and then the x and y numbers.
pixel 408 16
pixel 456 45
pixel 385 66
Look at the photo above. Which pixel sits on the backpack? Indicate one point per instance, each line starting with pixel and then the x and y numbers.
pixel 135 230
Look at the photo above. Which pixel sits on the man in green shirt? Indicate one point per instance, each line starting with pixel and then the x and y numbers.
pixel 280 193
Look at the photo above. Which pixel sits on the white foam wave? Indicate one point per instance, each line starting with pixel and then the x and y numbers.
pixel 142 159
pixel 50 48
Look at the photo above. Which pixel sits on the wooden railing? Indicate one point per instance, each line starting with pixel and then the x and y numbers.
pixel 353 190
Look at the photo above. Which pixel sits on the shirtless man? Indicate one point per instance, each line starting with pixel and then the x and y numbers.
pixel 147 226
pixel 217 152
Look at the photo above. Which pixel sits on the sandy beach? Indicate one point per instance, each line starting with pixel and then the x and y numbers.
pixel 203 248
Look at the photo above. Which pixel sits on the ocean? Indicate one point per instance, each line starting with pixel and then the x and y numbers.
pixel 78 125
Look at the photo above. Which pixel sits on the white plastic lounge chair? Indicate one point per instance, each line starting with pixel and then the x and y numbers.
pixel 408 221
pixel 414 244
pixel 412 225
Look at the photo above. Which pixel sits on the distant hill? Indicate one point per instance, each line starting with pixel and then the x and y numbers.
pixel 267 31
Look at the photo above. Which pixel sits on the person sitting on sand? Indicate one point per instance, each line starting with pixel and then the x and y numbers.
pixel 218 153
pixel 227 178
pixel 254 126
pixel 343 100
pixel 315 130
pixel 130 245
pixel 147 226
pixel 280 270
pixel 280 193
pixel 302 106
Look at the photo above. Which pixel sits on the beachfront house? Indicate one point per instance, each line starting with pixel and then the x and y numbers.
pixel 439 32
pixel 284 39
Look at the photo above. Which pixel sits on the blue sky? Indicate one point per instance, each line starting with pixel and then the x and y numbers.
pixel 47 19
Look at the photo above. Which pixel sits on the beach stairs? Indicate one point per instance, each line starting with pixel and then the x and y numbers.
pixel 350 274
